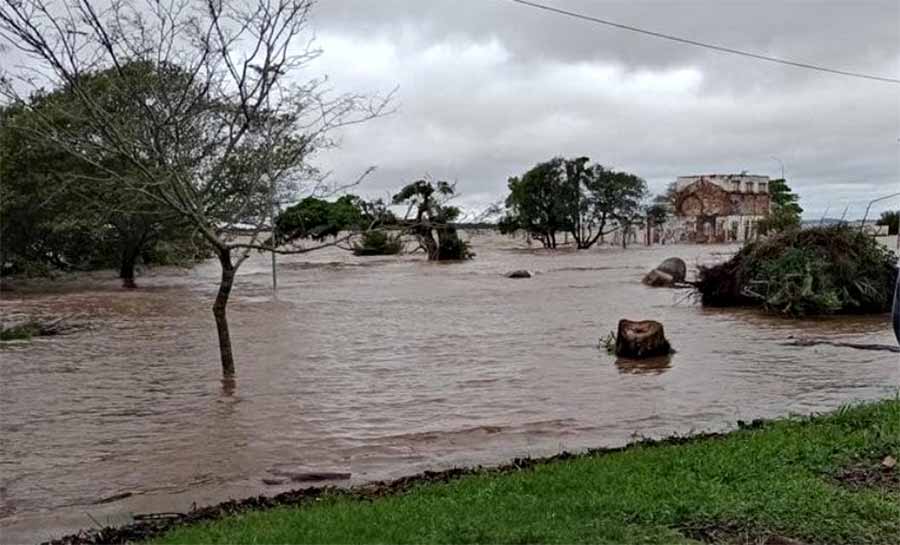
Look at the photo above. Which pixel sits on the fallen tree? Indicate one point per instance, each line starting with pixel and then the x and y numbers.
pixel 823 270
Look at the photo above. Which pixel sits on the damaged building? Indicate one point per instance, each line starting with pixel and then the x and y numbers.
pixel 719 207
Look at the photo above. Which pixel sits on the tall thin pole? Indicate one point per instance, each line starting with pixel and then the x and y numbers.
pixel 869 207
pixel 274 241
pixel 827 208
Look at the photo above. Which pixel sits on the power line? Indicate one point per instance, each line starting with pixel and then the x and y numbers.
pixel 702 44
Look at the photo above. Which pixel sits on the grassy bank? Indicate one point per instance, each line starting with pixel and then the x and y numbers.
pixel 814 480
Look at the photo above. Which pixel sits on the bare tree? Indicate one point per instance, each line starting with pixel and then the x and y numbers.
pixel 219 124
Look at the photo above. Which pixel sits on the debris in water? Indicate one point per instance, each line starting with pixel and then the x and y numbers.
pixel 114 497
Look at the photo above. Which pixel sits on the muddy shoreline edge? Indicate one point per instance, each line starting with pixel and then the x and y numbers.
pixel 150 525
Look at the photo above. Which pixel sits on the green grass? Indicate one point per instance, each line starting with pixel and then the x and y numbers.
pixel 774 480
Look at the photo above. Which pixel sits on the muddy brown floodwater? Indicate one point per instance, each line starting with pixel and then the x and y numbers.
pixel 379 367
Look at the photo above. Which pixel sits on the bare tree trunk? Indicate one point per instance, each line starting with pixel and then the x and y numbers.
pixel 219 308
pixel 126 267
pixel 131 245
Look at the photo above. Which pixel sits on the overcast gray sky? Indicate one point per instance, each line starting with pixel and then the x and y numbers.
pixel 488 88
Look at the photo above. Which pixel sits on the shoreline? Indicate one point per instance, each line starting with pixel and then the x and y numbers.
pixel 151 526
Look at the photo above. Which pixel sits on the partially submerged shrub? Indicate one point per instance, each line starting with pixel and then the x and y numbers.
pixel 450 246
pixel 378 242
pixel 800 272
pixel 18 332
pixel 608 342
pixel 37 328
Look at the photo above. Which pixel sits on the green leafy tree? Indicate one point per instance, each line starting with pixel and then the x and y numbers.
pixel 430 219
pixel 378 242
pixel 785 211
pixel 572 195
pixel 62 210
pixel 657 214
pixel 535 204
pixel 317 219
pixel 891 218
pixel 608 195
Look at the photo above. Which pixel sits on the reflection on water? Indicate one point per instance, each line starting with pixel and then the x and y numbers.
pixel 229 384
pixel 380 370
pixel 649 366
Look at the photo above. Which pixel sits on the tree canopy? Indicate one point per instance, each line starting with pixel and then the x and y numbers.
pixel 785 211
pixel 430 219
pixel 891 218
pixel 572 195
pixel 69 211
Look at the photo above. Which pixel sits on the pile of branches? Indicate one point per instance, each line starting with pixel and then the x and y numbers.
pixel 822 270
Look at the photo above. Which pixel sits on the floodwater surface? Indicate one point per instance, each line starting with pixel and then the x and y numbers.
pixel 379 367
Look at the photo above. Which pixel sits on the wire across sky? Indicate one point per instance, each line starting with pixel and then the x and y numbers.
pixel 695 43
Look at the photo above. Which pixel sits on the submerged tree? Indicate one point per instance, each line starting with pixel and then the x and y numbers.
pixel 64 210
pixel 318 219
pixel 378 242
pixel 535 204
pixel 430 219
pixel 608 195
pixel 586 200
pixel 221 126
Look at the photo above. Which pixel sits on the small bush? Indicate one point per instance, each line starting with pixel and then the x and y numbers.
pixel 608 342
pixel 803 272
pixel 20 332
pixel 378 242
pixel 451 247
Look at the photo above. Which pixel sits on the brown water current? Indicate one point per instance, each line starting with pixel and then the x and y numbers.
pixel 379 367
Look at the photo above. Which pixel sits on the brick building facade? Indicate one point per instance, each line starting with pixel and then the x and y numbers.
pixel 719 207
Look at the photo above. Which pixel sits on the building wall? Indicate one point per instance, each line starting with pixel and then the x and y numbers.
pixel 738 183
pixel 718 207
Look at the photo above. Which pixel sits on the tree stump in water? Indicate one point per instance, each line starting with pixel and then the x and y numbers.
pixel 643 339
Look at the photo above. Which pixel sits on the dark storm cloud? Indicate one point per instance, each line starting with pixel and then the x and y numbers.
pixel 488 87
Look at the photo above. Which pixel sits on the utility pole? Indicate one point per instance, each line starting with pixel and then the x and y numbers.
pixel 274 241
